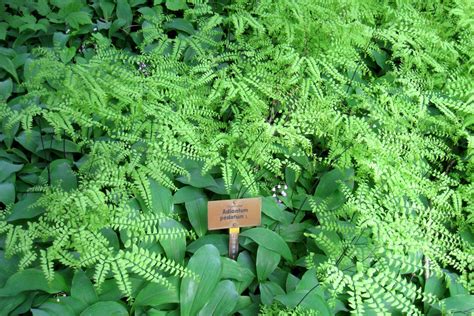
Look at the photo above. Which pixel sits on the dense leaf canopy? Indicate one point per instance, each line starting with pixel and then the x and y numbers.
pixel 352 120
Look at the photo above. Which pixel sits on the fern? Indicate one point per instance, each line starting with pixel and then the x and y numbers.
pixel 378 95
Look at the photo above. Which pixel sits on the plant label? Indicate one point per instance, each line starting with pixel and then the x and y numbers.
pixel 234 213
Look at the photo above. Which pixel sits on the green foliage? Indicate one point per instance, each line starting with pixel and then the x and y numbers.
pixel 127 117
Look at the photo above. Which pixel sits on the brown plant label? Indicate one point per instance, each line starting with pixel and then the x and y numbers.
pixel 234 213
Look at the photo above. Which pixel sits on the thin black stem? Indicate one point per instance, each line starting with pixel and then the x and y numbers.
pixel 347 91
pixel 38 122
pixel 245 154
pixel 342 153
pixel 345 249
pixel 247 188
pixel 64 144
pixel 256 178
pixel 358 64
pixel 305 199
pixel 307 293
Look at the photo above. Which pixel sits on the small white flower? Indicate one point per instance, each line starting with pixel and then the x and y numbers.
pixel 279 186
pixel 286 187
pixel 273 189
pixel 283 193
pixel 274 195
pixel 95 29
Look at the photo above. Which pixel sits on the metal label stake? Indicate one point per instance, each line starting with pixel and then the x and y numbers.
pixel 234 242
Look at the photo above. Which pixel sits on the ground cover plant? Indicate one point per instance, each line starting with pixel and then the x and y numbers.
pixel 120 120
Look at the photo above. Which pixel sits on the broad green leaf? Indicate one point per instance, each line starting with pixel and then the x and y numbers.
pixel 188 193
pixel 82 288
pixel 251 310
pixel 279 276
pixel 108 308
pixel 180 25
pixel 109 291
pixel 155 294
pixel 218 188
pixel 222 301
pixel 25 209
pixel 243 302
pixel 270 240
pixel 42 7
pixel 455 287
pixel 18 155
pixel 7 193
pixel 58 144
pixel 6 88
pixel 293 232
pixel 308 294
pixel 161 198
pixel 434 286
pixel 103 25
pixel 220 241
pixel 33 27
pixel 3 30
pixel 8 267
pixel 248 271
pixel 460 303
pixel 175 5
pixel 116 25
pixel 328 187
pixel 291 282
pixel 62 175
pixel 25 306
pixel 8 66
pixel 8 304
pixel 107 7
pixel 78 18
pixel 306 299
pixel 7 168
pixel 309 281
pixel 134 3
pixel 197 214
pixel 291 177
pixel 302 202
pixel 174 247
pixel 124 11
pixel 30 280
pixel 231 269
pixel 268 291
pixel 380 58
pixel 267 261
pixel 149 13
pixel 196 179
pixel 273 210
pixel 53 309
pixel 29 140
pixel 75 304
pixel 206 265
